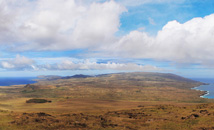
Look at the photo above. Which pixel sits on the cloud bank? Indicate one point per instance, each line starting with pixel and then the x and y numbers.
pixel 24 63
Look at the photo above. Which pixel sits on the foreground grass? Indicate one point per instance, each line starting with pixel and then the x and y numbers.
pixel 150 117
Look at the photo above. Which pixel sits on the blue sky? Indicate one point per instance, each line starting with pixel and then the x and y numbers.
pixel 66 37
pixel 161 13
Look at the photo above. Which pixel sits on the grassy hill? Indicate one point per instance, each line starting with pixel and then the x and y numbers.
pixel 139 100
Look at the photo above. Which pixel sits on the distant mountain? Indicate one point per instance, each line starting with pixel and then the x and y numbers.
pixel 49 77
pixel 77 76
pixel 175 77
pixel 148 76
pixel 150 79
pixel 159 76
pixel 55 77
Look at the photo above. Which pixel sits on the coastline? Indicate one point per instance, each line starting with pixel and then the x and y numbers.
pixel 205 92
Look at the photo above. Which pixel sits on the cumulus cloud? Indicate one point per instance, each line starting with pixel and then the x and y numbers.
pixel 134 45
pixel 18 63
pixel 57 24
pixel 190 42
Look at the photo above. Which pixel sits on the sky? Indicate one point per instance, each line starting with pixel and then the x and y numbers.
pixel 67 37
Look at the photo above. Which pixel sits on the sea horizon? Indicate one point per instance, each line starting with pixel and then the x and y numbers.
pixel 204 80
pixel 8 81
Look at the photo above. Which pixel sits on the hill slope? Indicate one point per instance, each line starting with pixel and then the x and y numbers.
pixel 138 86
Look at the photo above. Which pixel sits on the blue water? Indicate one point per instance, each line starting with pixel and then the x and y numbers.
pixel 209 88
pixel 16 81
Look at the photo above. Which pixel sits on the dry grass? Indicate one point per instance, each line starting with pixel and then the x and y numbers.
pixel 149 117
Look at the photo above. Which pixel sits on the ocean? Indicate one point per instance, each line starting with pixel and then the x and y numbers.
pixel 209 88
pixel 16 81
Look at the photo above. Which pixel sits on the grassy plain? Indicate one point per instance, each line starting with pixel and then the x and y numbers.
pixel 113 101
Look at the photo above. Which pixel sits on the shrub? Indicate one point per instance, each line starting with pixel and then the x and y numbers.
pixel 37 101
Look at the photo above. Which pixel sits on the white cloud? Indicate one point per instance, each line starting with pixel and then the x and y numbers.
pixel 57 24
pixel 100 23
pixel 18 63
pixel 190 42
pixel 6 20
pixel 134 45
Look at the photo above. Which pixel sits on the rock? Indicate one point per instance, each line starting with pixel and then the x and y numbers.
pixel 42 114
pixel 204 112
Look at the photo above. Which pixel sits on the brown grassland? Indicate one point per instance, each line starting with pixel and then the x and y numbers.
pixel 132 101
